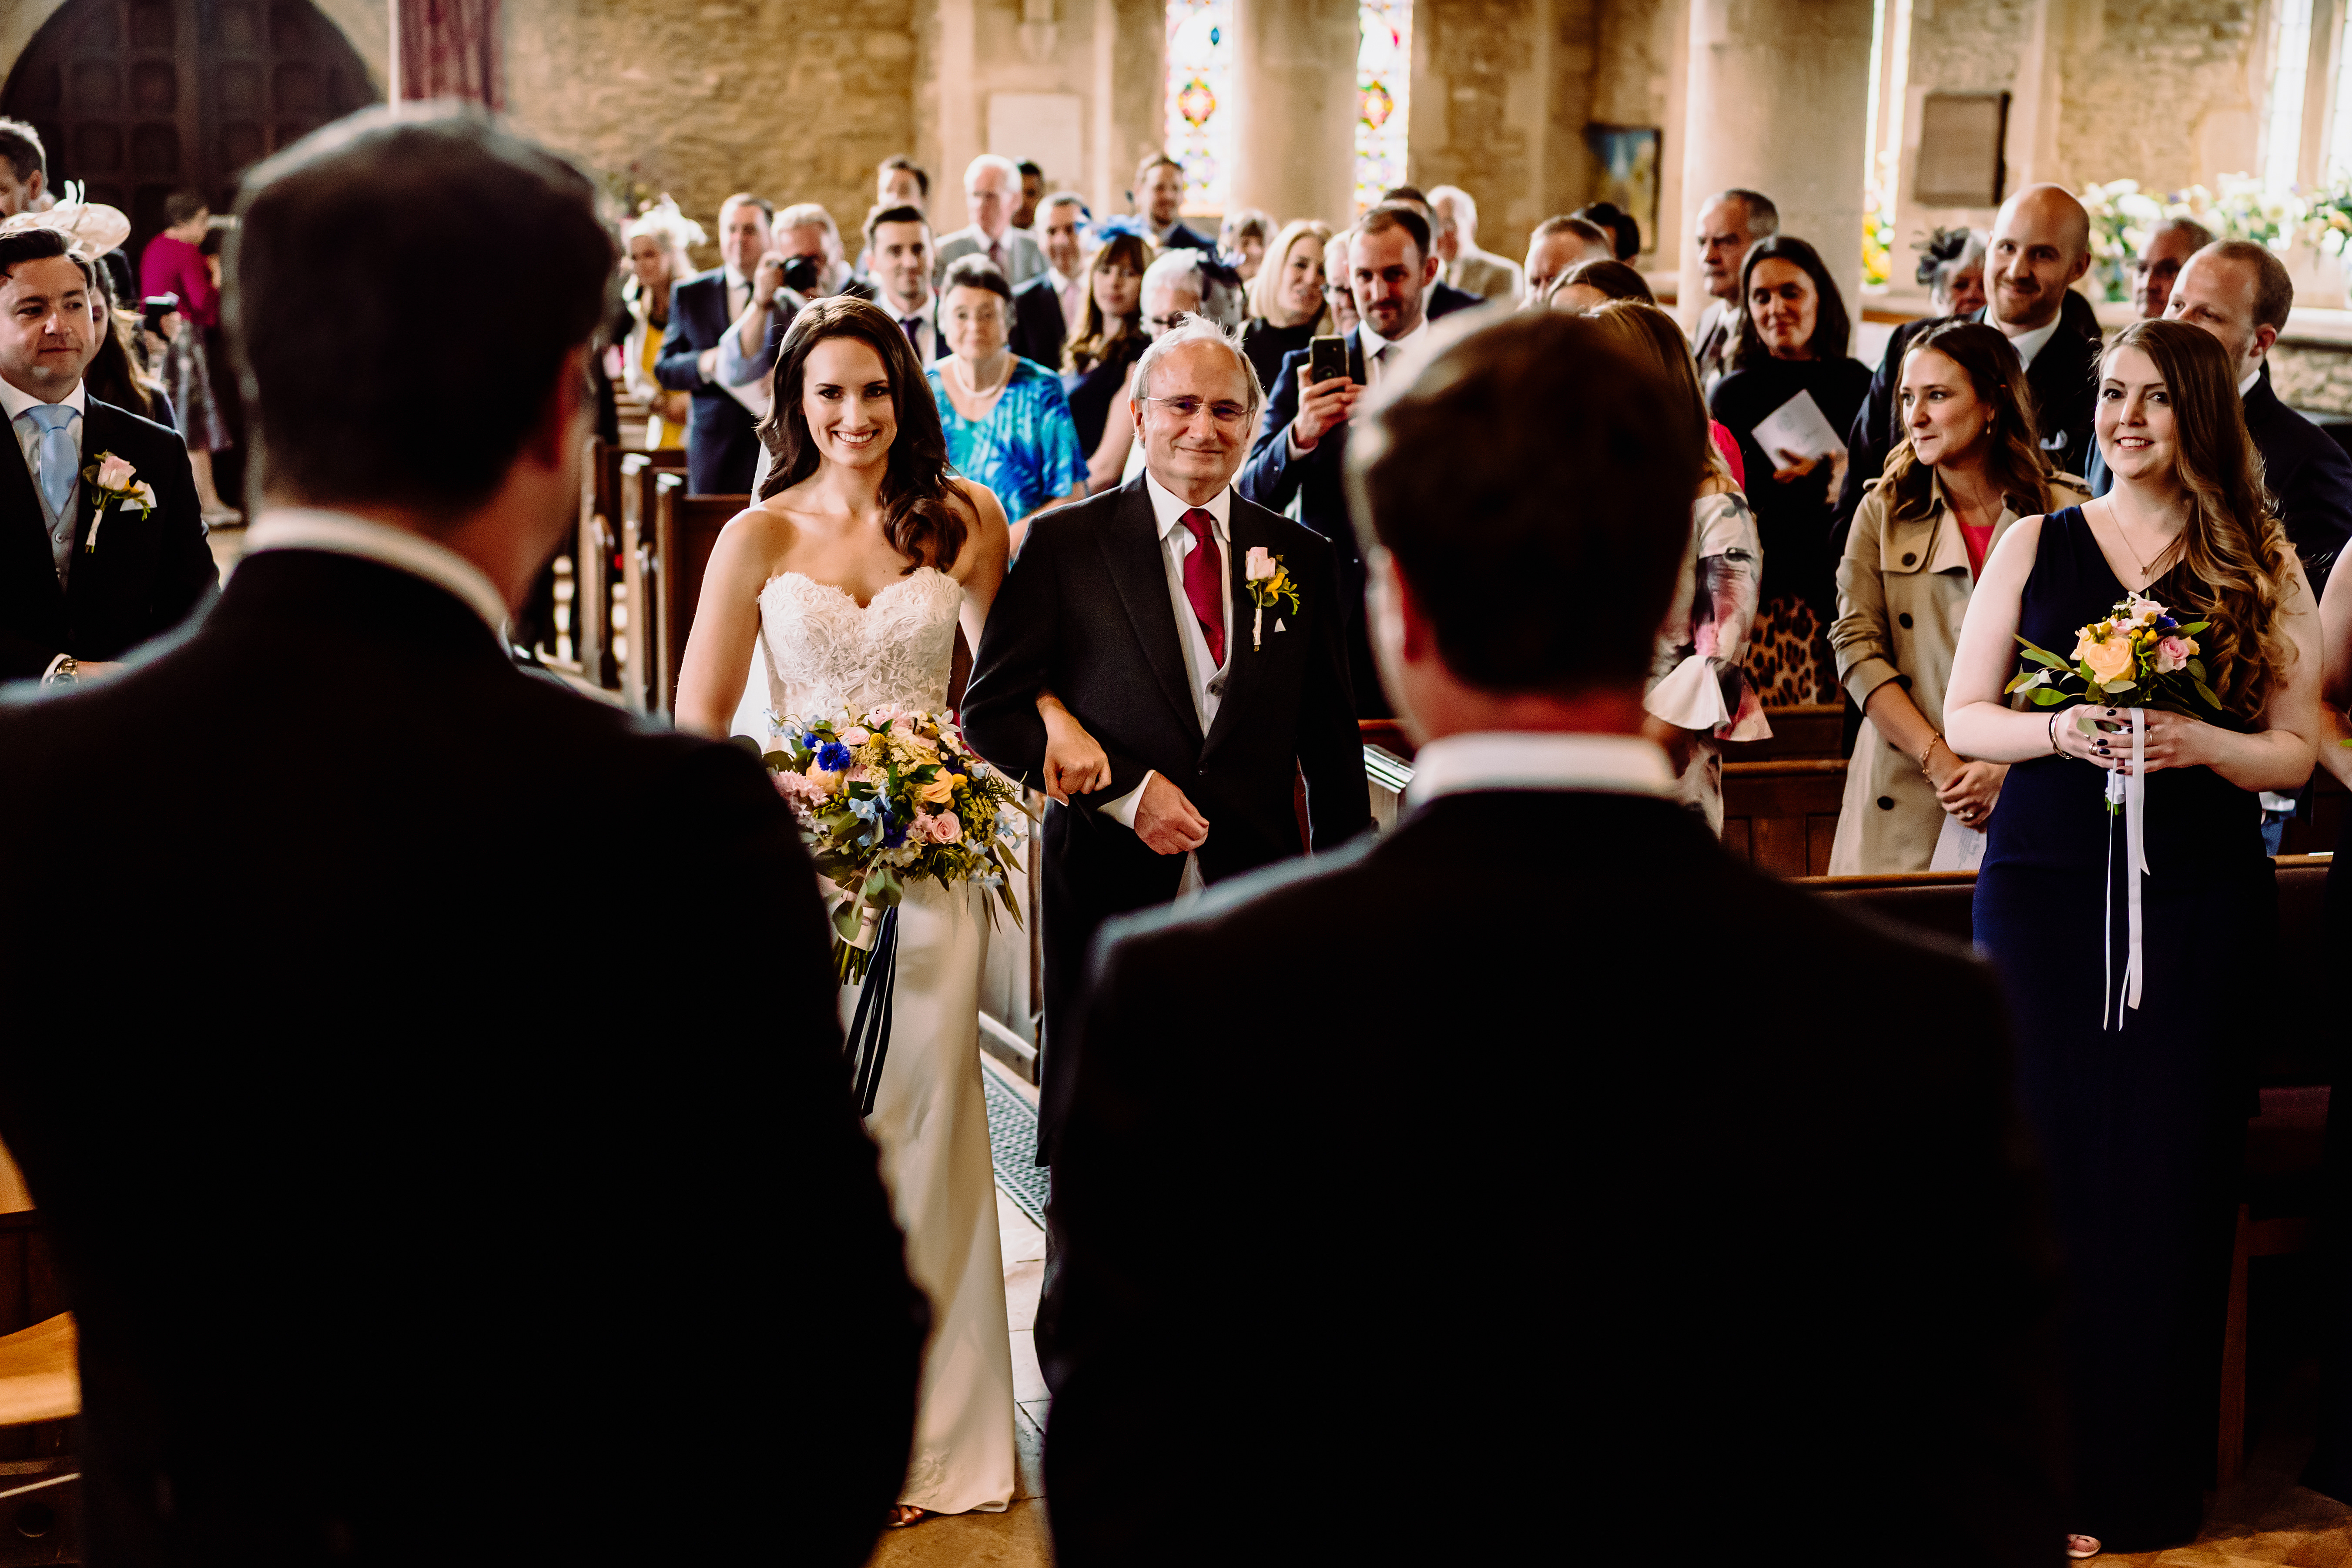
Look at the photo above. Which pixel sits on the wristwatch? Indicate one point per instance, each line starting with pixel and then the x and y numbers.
pixel 65 672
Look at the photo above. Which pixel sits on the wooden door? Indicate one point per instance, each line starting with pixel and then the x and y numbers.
pixel 138 99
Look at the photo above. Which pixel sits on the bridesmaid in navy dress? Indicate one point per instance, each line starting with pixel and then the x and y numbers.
pixel 2142 1125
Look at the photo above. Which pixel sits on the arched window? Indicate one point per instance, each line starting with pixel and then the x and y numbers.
pixel 1200 99
pixel 1383 96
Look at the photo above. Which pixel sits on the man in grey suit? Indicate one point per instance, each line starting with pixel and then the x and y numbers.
pixel 992 188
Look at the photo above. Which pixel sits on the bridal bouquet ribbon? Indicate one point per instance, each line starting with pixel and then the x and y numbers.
pixel 109 478
pixel 883 798
pixel 1269 583
pixel 2139 656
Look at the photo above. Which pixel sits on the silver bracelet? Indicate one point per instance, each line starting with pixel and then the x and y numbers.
pixel 2055 746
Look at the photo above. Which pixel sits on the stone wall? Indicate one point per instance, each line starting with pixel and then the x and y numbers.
pixel 1501 90
pixel 2166 92
pixel 792 99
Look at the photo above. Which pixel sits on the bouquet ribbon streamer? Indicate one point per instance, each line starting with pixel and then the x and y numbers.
pixel 2129 790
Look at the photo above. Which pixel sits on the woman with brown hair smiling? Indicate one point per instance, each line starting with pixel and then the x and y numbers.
pixel 2130 975
pixel 1966 465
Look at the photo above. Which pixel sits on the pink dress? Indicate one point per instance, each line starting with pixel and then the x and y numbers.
pixel 171 266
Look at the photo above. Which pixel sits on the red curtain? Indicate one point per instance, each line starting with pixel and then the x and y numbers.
pixel 449 48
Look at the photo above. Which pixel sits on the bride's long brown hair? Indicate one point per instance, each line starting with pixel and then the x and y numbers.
pixel 2235 562
pixel 923 516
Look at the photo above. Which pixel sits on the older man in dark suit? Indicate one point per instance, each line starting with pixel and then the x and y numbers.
pixel 102 534
pixel 1680 1282
pixel 1301 447
pixel 379 1173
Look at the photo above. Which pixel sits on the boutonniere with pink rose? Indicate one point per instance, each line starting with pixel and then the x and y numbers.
pixel 112 481
pixel 1269 583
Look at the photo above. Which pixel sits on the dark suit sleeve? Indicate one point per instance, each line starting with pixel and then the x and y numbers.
pixel 186 573
pixel 1115 1203
pixel 855 1339
pixel 1270 477
pixel 2317 506
pixel 1330 742
pixel 1014 662
pixel 1865 441
pixel 680 364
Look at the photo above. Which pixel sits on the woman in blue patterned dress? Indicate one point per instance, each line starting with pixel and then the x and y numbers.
pixel 1008 424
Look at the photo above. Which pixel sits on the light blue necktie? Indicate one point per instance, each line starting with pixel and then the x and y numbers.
pixel 61 454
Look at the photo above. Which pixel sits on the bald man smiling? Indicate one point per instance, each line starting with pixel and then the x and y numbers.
pixel 2040 248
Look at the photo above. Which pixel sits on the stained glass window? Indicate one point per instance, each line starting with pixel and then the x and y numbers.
pixel 1200 99
pixel 1384 96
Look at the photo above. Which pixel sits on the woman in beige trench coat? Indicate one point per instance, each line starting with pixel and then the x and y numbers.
pixel 1969 466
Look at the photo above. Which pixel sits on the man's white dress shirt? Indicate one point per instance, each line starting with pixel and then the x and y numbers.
pixel 2028 344
pixel 1532 759
pixel 340 533
pixel 1202 671
pixel 1383 357
pixel 15 401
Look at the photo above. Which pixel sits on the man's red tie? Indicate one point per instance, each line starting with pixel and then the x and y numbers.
pixel 1204 581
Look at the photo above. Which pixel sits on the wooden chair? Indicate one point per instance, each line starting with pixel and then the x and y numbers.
pixel 685 529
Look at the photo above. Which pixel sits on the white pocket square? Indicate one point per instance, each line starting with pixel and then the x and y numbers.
pixel 1278 623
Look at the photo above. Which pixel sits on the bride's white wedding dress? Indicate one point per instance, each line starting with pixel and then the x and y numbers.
pixel 931 1115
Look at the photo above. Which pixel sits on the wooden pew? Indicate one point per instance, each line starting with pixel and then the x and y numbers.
pixel 685 530
pixel 603 487
pixel 1809 729
pixel 2283 1145
pixel 1781 816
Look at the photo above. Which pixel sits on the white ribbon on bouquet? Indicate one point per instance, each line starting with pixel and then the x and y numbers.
pixel 2129 791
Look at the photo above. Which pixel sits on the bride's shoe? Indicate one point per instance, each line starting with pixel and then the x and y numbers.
pixel 2082 1546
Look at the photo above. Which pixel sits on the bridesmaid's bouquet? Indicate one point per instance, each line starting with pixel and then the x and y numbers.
pixel 2139 656
pixel 891 796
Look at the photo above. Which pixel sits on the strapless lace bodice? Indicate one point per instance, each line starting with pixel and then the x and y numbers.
pixel 826 654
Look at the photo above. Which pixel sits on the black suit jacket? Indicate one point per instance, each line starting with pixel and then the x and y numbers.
pixel 1317 480
pixel 406 1159
pixel 2305 471
pixel 1038 329
pixel 1086 612
pixel 2062 378
pixel 1663 1274
pixel 722 447
pixel 1444 298
pixel 144 578
pixel 1191 238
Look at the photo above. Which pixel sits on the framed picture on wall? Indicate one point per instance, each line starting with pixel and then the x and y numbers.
pixel 1962 144
pixel 1628 156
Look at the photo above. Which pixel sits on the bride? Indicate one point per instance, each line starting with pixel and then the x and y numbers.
pixel 854 572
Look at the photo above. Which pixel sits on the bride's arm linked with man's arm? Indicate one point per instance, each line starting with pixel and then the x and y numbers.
pixel 1980 723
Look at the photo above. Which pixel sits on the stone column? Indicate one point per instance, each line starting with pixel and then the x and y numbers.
pixel 1295 104
pixel 1778 101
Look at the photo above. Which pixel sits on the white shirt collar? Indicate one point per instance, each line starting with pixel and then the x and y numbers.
pixel 735 279
pixel 2028 344
pixel 340 533
pixel 931 299
pixel 1061 279
pixel 1373 343
pixel 2252 376
pixel 1168 510
pixel 14 399
pixel 1527 759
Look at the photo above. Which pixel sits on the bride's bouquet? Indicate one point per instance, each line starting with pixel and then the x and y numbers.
pixel 884 798
pixel 888 798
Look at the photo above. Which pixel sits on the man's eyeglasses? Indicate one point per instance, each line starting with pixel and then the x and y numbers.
pixel 1188 407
